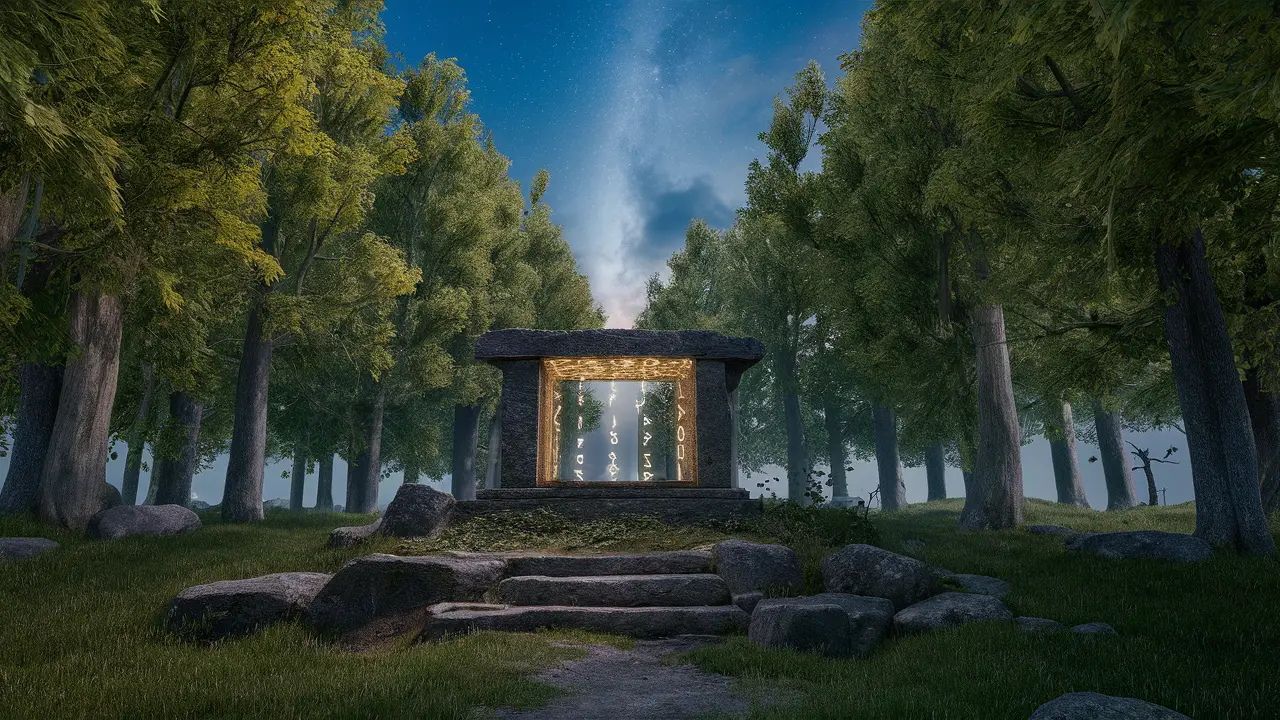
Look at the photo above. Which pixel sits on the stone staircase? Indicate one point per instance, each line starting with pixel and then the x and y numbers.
pixel 648 595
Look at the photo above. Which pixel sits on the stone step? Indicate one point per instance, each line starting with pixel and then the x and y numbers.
pixel 657 563
pixel 615 590
pixel 642 622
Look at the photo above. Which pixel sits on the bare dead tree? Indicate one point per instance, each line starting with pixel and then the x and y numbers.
pixel 1144 456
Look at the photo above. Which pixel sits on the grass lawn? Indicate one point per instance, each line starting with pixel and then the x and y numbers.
pixel 1202 639
pixel 80 630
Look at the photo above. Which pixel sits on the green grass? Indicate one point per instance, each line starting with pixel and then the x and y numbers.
pixel 1202 639
pixel 80 632
pixel 80 636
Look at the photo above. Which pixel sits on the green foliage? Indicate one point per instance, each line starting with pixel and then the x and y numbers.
pixel 547 530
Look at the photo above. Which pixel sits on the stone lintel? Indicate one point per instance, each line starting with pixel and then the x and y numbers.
pixel 512 344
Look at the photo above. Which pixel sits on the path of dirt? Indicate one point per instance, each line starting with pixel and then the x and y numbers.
pixel 635 685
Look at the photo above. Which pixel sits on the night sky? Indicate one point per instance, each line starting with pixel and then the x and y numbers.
pixel 646 116
pixel 644 113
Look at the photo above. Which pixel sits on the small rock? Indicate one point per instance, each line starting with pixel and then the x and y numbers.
pixel 1039 625
pixel 417 511
pixel 200 505
pixel 1094 706
pixel 337 508
pixel 154 520
pixel 868 617
pixel 747 567
pixel 869 570
pixel 22 548
pixel 1095 628
pixel 1144 544
pixel 345 537
pixel 236 607
pixel 110 497
pixel 376 586
pixel 817 628
pixel 950 609
pixel 981 584
pixel 748 601
pixel 276 504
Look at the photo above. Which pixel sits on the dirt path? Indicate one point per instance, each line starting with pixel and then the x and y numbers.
pixel 635 685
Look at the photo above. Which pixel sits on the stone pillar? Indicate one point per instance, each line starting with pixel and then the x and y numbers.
pixel 733 439
pixel 518 441
pixel 715 426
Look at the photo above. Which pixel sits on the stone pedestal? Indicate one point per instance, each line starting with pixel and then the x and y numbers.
pixel 674 506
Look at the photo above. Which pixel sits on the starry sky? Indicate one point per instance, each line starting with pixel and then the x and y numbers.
pixel 646 114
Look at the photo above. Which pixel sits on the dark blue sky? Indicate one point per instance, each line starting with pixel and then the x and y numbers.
pixel 645 113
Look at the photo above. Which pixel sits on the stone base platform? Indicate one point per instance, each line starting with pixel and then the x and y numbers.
pixel 674 506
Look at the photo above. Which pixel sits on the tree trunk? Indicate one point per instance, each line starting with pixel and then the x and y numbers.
pixel 137 439
pixel 998 468
pixel 172 475
pixel 935 467
pixel 1115 464
pixel 242 498
pixel 893 491
pixel 71 483
pixel 835 449
pixel 1224 463
pixel 324 483
pixel 466 436
pixel 298 475
pixel 1066 462
pixel 797 475
pixel 13 205
pixel 362 484
pixel 1152 492
pixel 39 386
pixel 493 475
pixel 1264 416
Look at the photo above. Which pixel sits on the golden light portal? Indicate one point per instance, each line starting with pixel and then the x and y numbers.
pixel 658 400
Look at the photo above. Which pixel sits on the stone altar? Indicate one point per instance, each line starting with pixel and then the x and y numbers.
pixel 595 423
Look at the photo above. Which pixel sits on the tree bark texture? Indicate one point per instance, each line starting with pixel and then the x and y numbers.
pixel 1264 416
pixel 298 476
pixel 242 497
pixel 1153 494
pixel 39 387
pixel 998 467
pixel 797 470
pixel 1115 463
pixel 76 458
pixel 935 467
pixel 362 481
pixel 172 475
pixel 138 439
pixel 1066 461
pixel 466 437
pixel 324 483
pixel 893 491
pixel 835 449
pixel 1224 463
pixel 13 205
pixel 493 475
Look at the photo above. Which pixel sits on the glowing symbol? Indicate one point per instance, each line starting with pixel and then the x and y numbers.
pixel 647 438
pixel 680 433
pixel 647 421
pixel 579 443
pixel 613 437
pixel 646 461
pixel 578 473
pixel 648 476
pixel 579 459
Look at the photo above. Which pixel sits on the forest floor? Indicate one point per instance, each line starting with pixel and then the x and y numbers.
pixel 80 631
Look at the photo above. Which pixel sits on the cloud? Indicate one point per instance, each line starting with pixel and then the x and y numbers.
pixel 666 208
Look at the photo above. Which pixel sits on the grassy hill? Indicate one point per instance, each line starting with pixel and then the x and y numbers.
pixel 80 630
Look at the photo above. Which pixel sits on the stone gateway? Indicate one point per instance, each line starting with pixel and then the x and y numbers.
pixel 594 423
